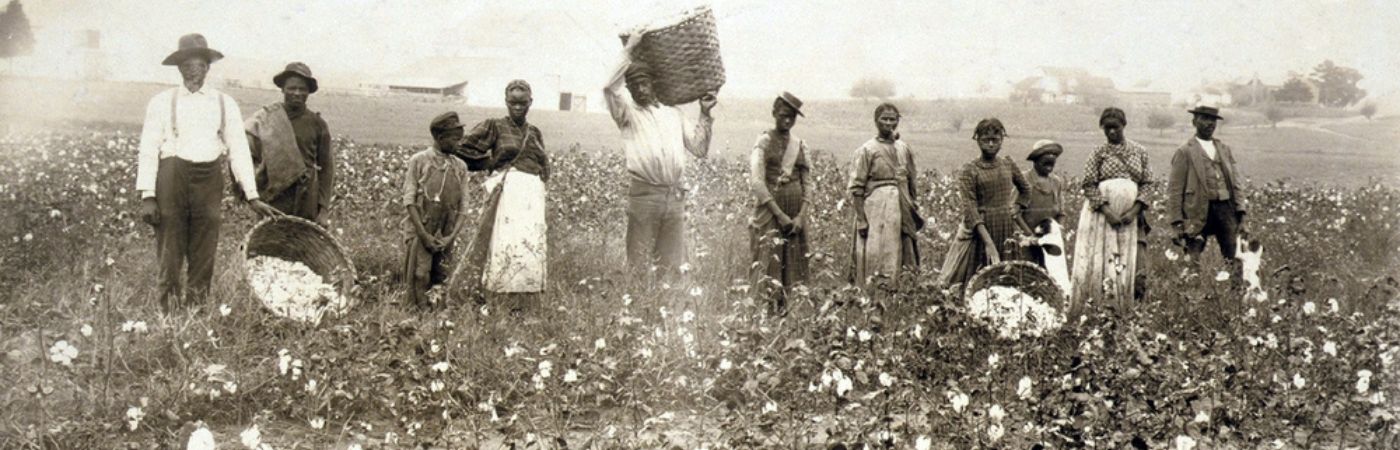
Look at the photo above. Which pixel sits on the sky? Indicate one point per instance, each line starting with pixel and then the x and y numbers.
pixel 815 48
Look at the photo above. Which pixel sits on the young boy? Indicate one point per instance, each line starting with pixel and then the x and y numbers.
pixel 433 193
pixel 1046 201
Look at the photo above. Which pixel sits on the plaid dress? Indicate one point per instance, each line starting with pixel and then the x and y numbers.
pixel 993 194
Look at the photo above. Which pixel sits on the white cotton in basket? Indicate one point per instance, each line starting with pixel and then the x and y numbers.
pixel 293 290
pixel 1013 313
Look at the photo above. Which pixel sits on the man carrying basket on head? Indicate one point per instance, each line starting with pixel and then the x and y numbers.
pixel 655 138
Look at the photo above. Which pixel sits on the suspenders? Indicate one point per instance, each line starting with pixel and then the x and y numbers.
pixel 175 125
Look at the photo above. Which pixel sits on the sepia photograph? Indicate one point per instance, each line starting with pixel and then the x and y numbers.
pixel 726 224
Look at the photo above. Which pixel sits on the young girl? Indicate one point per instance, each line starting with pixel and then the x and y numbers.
pixel 993 196
pixel 1113 230
pixel 778 180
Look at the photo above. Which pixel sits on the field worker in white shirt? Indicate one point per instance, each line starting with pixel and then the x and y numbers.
pixel 655 138
pixel 187 132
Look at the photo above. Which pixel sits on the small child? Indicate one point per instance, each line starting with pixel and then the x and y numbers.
pixel 433 194
pixel 1046 201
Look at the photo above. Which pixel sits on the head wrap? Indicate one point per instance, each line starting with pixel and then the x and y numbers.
pixel 637 71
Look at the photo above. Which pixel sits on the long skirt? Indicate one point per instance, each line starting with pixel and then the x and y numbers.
pixel 516 261
pixel 779 260
pixel 885 249
pixel 1105 259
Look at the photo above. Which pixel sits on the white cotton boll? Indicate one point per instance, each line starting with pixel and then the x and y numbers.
pixel 1330 348
pixel 1299 382
pixel 1201 417
pixel 995 432
pixel 1184 443
pixel 201 439
pixel 886 379
pixel 293 290
pixel 251 437
pixel 1309 308
pixel 1023 388
pixel 843 386
pixel 923 443
pixel 996 413
pixel 1013 313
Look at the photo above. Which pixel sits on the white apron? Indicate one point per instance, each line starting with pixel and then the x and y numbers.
pixel 516 262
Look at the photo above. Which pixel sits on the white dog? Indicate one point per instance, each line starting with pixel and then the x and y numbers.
pixel 1250 254
pixel 1052 243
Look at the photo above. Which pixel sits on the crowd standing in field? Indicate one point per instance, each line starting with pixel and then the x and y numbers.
pixel 1006 213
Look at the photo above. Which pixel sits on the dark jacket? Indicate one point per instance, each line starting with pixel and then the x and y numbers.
pixel 1190 185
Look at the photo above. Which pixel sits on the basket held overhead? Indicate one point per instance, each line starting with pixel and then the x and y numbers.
pixel 295 239
pixel 684 57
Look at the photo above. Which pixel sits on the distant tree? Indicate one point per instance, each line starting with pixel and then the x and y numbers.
pixel 1294 90
pixel 16 38
pixel 872 88
pixel 1368 110
pixel 1275 115
pixel 1160 121
pixel 1336 85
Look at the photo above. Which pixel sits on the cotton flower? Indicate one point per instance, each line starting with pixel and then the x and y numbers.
pixel 138 326
pixel 843 386
pixel 996 413
pixel 251 437
pixel 63 353
pixel 436 386
pixel 86 330
pixel 1330 348
pixel 571 376
pixel 317 423
pixel 958 400
pixel 769 407
pixel 687 316
pixel 886 380
pixel 724 364
pixel 224 310
pixel 546 368
pixel 441 366
pixel 864 335
pixel 923 443
pixel 1172 255
pixel 696 291
pixel 995 432
pixel 1222 276
pixel 1201 417
pixel 1023 388
pixel 1309 308
pixel 201 439
pixel 1299 382
pixel 600 344
pixel 993 360
pixel 134 415
pixel 284 361
pixel 1184 443
pixel 1363 381
pixel 1332 305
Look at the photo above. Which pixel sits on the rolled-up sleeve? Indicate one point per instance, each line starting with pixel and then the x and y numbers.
pixel 153 134
pixel 697 137
pixel 240 157
pixel 478 146
pixel 758 186
pixel 410 182
pixel 860 173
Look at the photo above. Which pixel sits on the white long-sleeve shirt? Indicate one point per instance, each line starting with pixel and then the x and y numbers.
pixel 655 138
pixel 198 140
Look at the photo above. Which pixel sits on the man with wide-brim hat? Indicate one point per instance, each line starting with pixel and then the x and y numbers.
pixel 1204 193
pixel 293 156
pixel 188 132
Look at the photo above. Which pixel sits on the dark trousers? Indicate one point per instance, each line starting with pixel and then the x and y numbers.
pixel 301 199
pixel 1222 223
pixel 188 198
pixel 655 226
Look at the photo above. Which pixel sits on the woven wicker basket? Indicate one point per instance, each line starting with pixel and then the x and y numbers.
pixel 684 57
pixel 1024 276
pixel 296 239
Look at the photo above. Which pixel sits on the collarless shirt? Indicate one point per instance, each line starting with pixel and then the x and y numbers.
pixel 656 138
pixel 1209 147
pixel 198 138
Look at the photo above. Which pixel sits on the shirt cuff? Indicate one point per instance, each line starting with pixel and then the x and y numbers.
pixel 250 195
pixel 148 194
